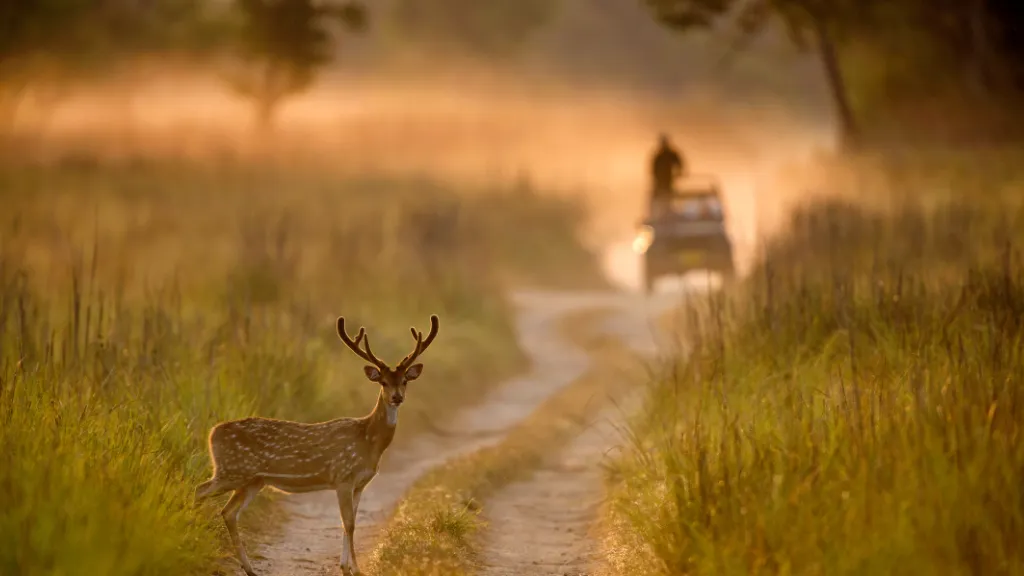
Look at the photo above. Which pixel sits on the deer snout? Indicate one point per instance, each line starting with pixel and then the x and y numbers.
pixel 396 399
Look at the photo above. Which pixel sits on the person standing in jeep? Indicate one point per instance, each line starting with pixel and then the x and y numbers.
pixel 666 166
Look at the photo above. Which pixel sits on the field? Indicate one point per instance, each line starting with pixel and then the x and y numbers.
pixel 855 408
pixel 142 302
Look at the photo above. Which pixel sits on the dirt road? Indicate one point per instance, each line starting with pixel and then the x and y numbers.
pixel 544 525
pixel 310 541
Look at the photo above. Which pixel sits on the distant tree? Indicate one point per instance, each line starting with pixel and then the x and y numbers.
pixel 811 24
pixel 46 43
pixel 160 27
pixel 37 36
pixel 971 37
pixel 1010 43
pixel 282 44
pixel 491 27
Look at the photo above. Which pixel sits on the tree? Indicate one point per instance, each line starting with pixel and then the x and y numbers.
pixel 283 44
pixel 969 37
pixel 811 24
pixel 488 27
pixel 35 35
pixel 46 43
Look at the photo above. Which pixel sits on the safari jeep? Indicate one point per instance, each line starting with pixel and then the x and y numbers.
pixel 685 232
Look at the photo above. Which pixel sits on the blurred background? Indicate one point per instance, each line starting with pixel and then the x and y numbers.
pixel 192 190
pixel 565 94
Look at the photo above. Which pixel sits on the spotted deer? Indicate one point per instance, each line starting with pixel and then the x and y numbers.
pixel 294 457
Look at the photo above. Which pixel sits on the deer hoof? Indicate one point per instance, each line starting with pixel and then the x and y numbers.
pixel 249 572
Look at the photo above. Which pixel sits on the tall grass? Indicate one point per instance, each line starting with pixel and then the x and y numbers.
pixel 857 410
pixel 141 304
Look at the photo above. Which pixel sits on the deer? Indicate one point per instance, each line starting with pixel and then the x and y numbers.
pixel 294 457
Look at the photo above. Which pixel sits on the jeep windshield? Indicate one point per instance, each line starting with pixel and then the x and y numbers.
pixel 695 207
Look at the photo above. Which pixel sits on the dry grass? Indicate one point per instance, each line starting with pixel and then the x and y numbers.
pixel 139 304
pixel 857 408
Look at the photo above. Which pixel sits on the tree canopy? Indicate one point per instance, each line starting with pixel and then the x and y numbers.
pixel 282 44
pixel 811 24
pixel 80 36
pixel 916 46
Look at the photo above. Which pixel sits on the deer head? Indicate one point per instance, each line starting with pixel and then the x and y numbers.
pixel 393 381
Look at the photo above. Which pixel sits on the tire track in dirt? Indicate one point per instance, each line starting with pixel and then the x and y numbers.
pixel 544 525
pixel 309 541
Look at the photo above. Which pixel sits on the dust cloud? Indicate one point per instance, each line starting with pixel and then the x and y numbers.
pixel 481 125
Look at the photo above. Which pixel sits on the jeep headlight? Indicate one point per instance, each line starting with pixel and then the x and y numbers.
pixel 644 239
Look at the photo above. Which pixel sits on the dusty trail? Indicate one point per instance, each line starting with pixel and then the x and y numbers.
pixel 309 543
pixel 543 525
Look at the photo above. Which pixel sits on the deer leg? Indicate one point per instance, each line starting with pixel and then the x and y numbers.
pixel 210 488
pixel 203 490
pixel 346 502
pixel 232 510
pixel 356 495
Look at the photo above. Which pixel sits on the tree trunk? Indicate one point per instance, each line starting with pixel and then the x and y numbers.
pixel 268 96
pixel 849 128
pixel 266 107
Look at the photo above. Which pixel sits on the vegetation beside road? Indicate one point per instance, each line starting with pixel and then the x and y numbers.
pixel 140 304
pixel 855 407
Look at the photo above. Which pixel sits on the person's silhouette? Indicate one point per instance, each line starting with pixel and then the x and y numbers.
pixel 666 166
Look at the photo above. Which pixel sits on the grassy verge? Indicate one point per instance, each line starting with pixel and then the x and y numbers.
pixel 855 409
pixel 434 530
pixel 141 304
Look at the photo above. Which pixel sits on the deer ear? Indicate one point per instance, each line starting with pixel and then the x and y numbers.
pixel 414 371
pixel 372 373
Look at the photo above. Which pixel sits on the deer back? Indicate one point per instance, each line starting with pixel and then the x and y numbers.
pixel 264 447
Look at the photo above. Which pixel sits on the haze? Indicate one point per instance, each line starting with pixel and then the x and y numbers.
pixel 578 113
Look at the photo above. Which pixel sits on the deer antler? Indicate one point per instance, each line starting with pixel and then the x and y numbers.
pixel 353 345
pixel 421 344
